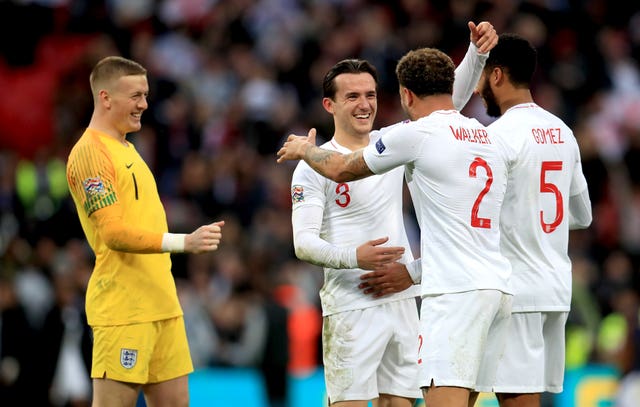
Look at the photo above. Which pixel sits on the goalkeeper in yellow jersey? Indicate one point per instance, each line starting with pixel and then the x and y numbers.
pixel 132 306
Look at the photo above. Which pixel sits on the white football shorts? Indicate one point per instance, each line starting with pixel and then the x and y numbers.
pixel 463 336
pixel 372 351
pixel 534 356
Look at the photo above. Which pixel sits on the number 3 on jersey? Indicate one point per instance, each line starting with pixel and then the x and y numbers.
pixel 343 195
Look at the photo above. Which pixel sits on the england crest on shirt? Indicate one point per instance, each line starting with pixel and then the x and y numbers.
pixel 128 358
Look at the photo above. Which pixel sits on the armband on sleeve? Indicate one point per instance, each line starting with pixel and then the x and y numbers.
pixel 311 248
pixel 120 236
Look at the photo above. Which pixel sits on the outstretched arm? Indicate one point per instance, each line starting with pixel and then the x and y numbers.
pixel 121 236
pixel 330 164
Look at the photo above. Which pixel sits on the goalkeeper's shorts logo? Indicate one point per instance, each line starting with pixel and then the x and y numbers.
pixel 128 358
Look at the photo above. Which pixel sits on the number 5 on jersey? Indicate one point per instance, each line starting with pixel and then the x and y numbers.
pixel 545 187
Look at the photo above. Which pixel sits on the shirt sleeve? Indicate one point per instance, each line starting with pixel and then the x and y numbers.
pixel 308 199
pixel 580 215
pixel 399 146
pixel 120 236
pixel 467 76
pixel 92 179
pixel 306 221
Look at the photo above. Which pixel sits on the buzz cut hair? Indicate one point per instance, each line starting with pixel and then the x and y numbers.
pixel 110 69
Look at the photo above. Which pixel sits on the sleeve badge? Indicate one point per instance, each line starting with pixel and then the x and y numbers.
pixel 297 194
pixel 93 186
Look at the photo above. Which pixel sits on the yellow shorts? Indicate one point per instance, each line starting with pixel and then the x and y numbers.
pixel 150 352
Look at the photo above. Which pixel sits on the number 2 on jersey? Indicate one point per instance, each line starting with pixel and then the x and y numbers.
pixel 476 221
pixel 548 187
pixel 545 187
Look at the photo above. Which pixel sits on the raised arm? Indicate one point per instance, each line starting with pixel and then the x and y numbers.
pixel 483 38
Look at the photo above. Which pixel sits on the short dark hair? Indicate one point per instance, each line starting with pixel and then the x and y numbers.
pixel 426 72
pixel 346 66
pixel 516 56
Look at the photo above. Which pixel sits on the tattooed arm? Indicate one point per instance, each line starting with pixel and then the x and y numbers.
pixel 330 164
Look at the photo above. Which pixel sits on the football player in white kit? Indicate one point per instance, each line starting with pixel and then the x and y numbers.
pixel 370 342
pixel 457 177
pixel 546 197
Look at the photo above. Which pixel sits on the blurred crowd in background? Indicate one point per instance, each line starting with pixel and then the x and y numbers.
pixel 229 80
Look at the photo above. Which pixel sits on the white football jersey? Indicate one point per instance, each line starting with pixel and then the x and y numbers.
pixel 545 171
pixel 457 176
pixel 353 213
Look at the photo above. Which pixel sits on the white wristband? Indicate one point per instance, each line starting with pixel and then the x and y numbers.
pixel 173 242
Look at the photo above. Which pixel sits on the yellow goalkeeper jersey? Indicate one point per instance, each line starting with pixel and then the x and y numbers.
pixel 125 287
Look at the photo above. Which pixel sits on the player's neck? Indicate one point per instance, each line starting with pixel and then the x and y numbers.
pixel 425 106
pixel 98 125
pixel 516 97
pixel 351 141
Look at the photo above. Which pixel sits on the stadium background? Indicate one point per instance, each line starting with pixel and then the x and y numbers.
pixel 230 79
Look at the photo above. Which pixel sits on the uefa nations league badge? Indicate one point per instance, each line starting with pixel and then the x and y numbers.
pixel 128 358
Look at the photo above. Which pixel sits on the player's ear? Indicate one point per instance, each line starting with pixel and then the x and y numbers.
pixel 407 96
pixel 327 103
pixel 498 75
pixel 104 98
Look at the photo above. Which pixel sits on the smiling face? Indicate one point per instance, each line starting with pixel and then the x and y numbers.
pixel 127 101
pixel 354 105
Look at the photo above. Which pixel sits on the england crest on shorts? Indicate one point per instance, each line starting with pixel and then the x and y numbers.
pixel 128 358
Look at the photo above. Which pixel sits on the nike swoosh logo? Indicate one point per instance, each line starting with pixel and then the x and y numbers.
pixel 128 165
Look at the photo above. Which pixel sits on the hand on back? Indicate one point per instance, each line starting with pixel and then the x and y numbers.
pixel 389 279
